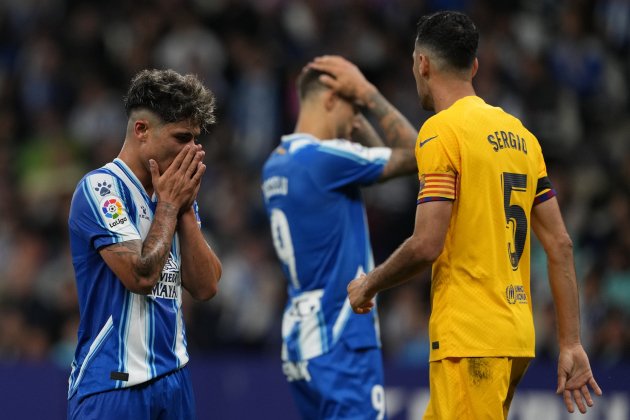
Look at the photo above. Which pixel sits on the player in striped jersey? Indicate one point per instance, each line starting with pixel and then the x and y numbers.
pixel 483 183
pixel 136 241
pixel 311 186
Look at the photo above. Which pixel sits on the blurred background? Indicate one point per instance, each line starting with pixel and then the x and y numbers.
pixel 562 67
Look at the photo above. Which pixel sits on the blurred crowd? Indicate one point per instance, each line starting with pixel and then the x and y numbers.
pixel 563 67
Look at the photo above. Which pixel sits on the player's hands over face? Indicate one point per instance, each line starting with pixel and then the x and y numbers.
pixel 574 378
pixel 349 82
pixel 180 182
pixel 361 301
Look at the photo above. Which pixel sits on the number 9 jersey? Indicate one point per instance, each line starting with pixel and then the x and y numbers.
pixel 492 168
pixel 319 229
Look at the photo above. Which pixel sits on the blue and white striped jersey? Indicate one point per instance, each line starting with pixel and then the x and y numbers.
pixel 319 228
pixel 124 338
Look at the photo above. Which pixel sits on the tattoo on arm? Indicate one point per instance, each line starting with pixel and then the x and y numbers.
pixel 157 245
pixel 139 264
pixel 398 131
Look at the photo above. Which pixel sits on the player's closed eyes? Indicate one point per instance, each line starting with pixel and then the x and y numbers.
pixel 184 137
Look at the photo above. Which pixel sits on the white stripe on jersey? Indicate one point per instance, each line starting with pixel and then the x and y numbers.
pixel 96 344
pixel 136 341
pixel 344 313
pixel 355 151
pixel 306 315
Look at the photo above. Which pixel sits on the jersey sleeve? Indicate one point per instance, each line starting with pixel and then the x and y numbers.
pixel 99 213
pixel 438 159
pixel 196 210
pixel 544 188
pixel 338 163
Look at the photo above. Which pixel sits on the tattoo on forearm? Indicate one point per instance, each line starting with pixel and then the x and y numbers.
pixel 398 131
pixel 157 245
pixel 124 248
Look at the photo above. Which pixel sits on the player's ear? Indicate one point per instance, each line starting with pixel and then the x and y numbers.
pixel 424 67
pixel 475 67
pixel 141 129
pixel 330 99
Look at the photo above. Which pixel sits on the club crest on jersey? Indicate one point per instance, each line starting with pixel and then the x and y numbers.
pixel 168 285
pixel 114 213
pixel 103 188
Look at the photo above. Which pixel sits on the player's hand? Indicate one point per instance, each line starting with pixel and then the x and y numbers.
pixel 180 182
pixel 348 80
pixel 574 378
pixel 361 300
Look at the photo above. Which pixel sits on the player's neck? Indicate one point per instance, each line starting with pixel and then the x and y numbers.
pixel 132 160
pixel 450 91
pixel 314 124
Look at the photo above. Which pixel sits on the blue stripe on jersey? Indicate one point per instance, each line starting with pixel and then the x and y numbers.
pixel 147 336
pixel 151 351
pixel 174 343
pixel 184 339
pixel 323 332
pixel 295 351
pixel 88 196
pixel 125 194
pixel 122 336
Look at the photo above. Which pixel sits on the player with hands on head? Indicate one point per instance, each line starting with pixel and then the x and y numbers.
pixel 483 188
pixel 136 242
pixel 312 190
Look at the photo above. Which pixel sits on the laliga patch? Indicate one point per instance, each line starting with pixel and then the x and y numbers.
pixel 113 213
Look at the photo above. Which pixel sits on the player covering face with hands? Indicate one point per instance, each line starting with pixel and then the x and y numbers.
pixel 483 189
pixel 136 244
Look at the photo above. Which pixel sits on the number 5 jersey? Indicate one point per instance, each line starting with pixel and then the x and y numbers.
pixel 491 167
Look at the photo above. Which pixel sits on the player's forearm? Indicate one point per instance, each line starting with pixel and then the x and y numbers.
pixel 565 295
pixel 365 134
pixel 407 261
pixel 398 131
pixel 156 247
pixel 201 268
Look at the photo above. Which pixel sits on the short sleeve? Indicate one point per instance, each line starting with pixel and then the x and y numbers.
pixel 338 163
pixel 438 159
pixel 544 187
pixel 99 212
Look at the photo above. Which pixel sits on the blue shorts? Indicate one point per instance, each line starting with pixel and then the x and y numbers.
pixel 344 383
pixel 169 397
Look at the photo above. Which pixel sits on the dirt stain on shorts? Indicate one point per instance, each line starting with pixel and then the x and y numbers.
pixel 479 370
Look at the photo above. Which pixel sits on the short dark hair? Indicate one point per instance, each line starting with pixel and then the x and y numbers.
pixel 308 82
pixel 172 97
pixel 453 36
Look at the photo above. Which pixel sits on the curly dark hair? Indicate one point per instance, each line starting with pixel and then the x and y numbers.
pixel 172 97
pixel 451 35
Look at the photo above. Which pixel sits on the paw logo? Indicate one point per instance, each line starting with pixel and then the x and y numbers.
pixel 103 189
pixel 112 208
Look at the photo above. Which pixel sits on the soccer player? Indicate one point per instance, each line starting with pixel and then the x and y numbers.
pixel 311 186
pixel 136 241
pixel 483 183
